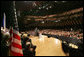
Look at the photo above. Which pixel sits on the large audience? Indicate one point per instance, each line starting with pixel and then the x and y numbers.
pixel 74 34
pixel 28 47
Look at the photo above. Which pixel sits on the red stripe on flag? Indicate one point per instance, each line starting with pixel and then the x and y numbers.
pixel 16 45
pixel 16 36
pixel 15 54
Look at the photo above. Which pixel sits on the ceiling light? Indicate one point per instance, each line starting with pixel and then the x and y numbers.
pixel 63 1
pixel 55 1
pixel 47 8
pixel 50 7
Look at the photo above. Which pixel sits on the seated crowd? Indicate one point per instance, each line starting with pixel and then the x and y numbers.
pixel 28 47
pixel 73 34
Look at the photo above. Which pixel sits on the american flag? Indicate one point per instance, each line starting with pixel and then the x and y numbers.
pixel 15 40
pixel 15 46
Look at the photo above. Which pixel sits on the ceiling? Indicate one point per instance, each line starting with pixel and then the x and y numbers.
pixel 42 8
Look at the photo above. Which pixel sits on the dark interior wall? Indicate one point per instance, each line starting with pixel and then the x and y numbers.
pixel 6 7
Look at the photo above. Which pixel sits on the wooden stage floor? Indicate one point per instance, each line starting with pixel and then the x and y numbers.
pixel 47 46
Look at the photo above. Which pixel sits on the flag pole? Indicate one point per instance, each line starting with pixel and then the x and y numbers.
pixel 4 22
pixel 16 21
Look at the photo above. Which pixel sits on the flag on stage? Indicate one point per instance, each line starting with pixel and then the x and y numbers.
pixel 15 40
pixel 15 44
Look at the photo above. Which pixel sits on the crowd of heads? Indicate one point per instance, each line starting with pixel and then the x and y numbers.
pixel 73 34
pixel 28 47
pixel 78 34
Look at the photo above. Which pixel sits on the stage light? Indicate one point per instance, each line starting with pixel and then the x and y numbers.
pixel 70 44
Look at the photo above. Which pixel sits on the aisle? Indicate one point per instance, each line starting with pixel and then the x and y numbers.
pixel 48 46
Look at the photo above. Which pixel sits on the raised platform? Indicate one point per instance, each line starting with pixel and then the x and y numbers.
pixel 47 46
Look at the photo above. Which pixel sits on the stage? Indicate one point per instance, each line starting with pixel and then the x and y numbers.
pixel 47 46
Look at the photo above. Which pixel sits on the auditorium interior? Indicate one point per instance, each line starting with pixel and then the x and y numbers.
pixel 53 28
